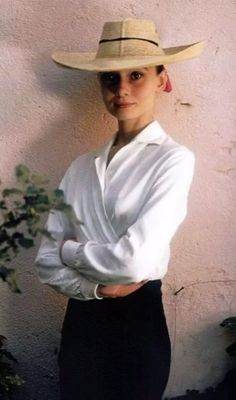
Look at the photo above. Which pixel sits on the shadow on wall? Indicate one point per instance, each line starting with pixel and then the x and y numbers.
pixel 35 316
pixel 72 119
pixel 199 359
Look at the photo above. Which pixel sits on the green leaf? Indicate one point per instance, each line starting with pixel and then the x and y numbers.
pixel 11 220
pixel 229 323
pixel 9 192
pixel 2 340
pixel 4 253
pixel 3 205
pixel 231 350
pixel 3 235
pixel 36 200
pixel 17 235
pixel 22 173
pixel 62 207
pixel 34 219
pixel 8 355
pixel 5 272
pixel 41 208
pixel 44 232
pixel 26 242
pixel 59 194
pixel 32 191
pixel 8 275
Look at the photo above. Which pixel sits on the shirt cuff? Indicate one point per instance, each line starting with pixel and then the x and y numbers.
pixel 69 253
pixel 88 290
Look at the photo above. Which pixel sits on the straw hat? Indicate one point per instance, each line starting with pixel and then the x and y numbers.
pixel 127 44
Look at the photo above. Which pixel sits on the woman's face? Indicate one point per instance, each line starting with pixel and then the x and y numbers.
pixel 131 93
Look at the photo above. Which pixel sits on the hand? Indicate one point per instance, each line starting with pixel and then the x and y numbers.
pixel 114 291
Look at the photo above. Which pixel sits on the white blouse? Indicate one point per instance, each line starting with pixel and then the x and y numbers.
pixel 129 211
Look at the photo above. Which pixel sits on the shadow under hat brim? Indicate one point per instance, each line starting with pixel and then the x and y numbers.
pixel 89 62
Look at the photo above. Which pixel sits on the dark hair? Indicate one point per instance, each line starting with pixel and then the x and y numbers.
pixel 160 68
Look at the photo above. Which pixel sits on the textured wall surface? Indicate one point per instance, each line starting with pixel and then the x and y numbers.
pixel 49 115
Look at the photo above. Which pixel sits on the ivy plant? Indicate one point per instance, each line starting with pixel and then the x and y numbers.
pixel 21 211
pixel 226 389
pixel 230 325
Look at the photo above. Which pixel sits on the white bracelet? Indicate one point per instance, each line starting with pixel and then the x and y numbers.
pixel 96 293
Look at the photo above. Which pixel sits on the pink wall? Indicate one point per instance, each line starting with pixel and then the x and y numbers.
pixel 45 124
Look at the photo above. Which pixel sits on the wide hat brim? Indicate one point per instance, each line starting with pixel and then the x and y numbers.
pixel 89 61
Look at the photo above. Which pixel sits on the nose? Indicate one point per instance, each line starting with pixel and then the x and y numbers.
pixel 122 88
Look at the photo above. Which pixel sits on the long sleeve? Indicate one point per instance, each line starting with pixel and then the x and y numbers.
pixel 52 271
pixel 138 254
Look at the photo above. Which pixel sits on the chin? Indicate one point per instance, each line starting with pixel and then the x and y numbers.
pixel 124 114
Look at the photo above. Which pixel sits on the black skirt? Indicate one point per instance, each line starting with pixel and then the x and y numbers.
pixel 115 349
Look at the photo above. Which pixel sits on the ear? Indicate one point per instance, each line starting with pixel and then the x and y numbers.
pixel 161 81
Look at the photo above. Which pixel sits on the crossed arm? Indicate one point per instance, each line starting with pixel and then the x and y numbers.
pixel 65 279
pixel 113 291
pixel 116 269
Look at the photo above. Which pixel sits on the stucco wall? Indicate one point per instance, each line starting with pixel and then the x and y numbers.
pixel 45 124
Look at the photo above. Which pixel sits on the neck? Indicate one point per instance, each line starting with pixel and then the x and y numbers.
pixel 128 129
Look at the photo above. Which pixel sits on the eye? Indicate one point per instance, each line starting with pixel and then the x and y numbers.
pixel 136 75
pixel 109 78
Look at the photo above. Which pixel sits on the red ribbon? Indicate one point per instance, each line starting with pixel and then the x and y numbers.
pixel 168 87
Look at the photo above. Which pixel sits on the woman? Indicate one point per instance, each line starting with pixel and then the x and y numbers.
pixel 131 196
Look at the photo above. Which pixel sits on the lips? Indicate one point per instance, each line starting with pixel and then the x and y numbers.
pixel 123 105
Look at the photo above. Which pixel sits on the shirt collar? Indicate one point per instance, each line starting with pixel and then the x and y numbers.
pixel 151 134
